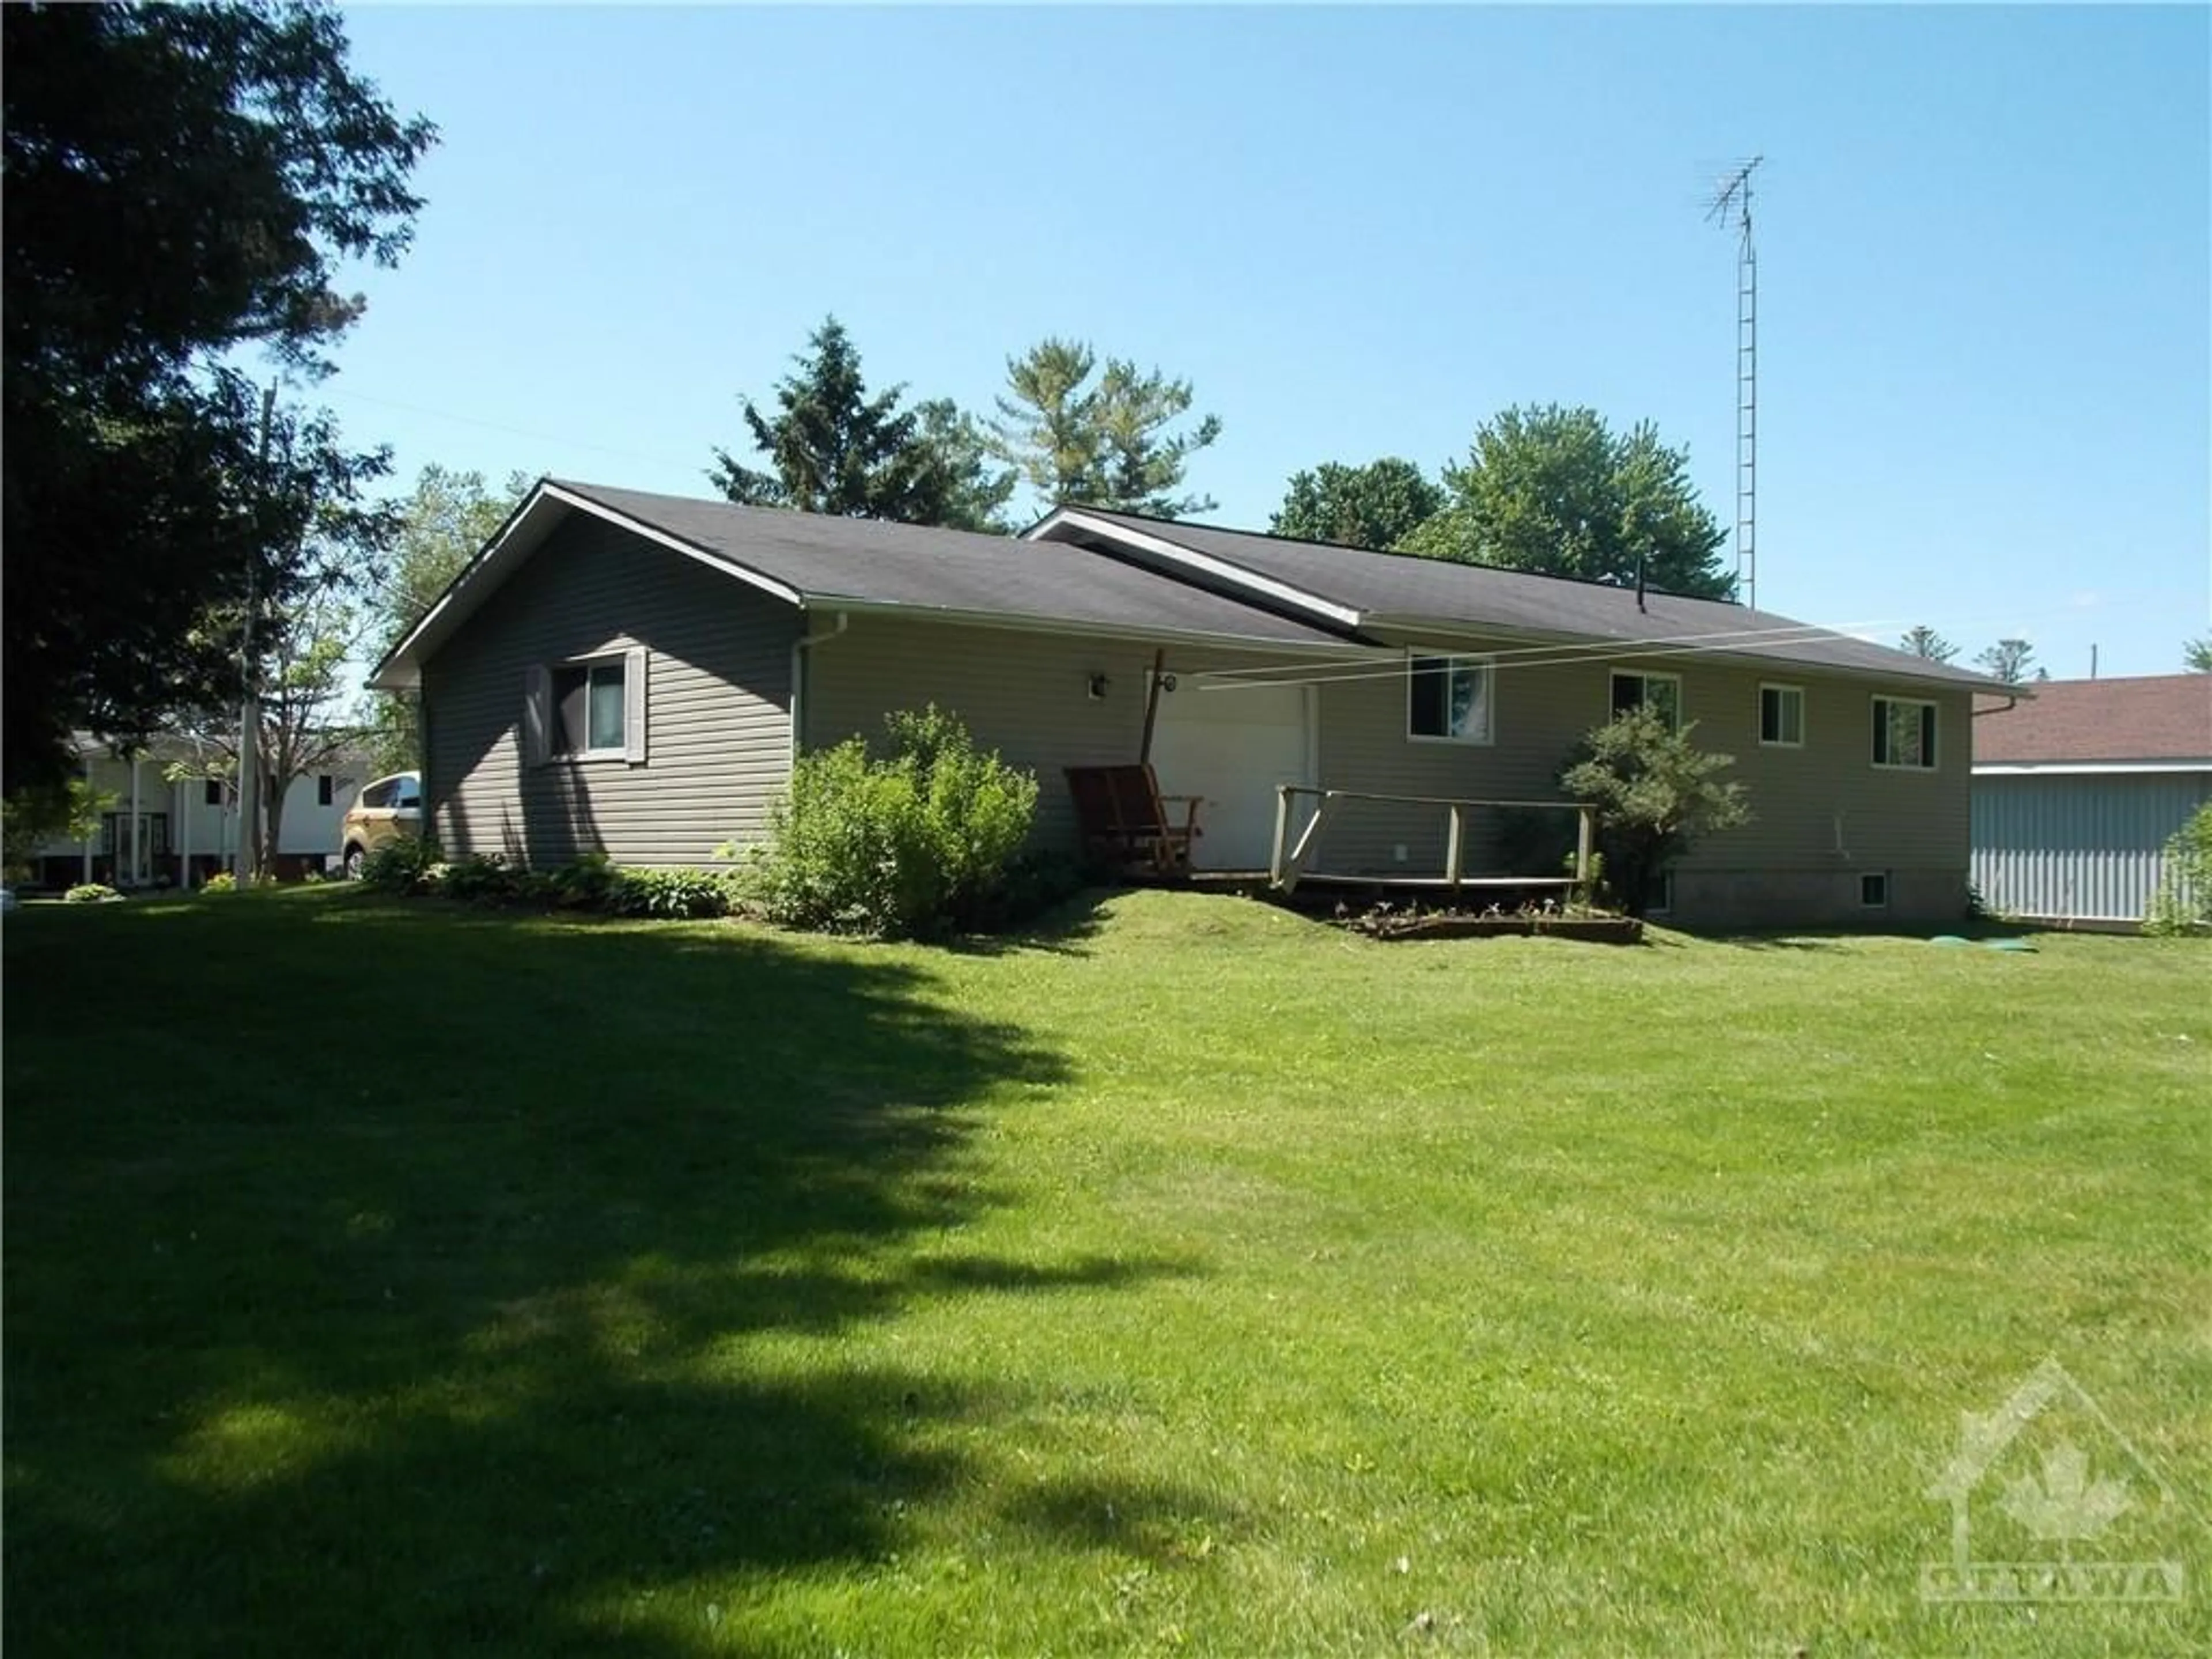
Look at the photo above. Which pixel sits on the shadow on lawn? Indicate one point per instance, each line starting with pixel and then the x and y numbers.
pixel 398 1284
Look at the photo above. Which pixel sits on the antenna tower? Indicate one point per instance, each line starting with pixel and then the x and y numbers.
pixel 1731 205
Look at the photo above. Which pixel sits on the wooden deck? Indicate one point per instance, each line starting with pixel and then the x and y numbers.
pixel 1326 878
pixel 1294 861
pixel 1321 892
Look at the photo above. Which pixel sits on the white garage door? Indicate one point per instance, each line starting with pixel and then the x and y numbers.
pixel 1232 743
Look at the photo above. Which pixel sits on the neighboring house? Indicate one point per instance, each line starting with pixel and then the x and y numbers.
pixel 156 832
pixel 2077 791
pixel 633 673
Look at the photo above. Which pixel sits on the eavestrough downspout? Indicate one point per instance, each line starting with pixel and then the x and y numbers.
pixel 800 647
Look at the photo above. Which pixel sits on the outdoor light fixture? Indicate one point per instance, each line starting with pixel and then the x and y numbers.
pixel 1098 684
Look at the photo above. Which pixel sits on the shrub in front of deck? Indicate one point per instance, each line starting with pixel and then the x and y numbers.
pixel 2182 903
pixel 1657 793
pixel 913 844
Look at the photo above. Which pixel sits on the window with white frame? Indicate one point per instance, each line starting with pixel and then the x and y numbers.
pixel 1638 688
pixel 1781 716
pixel 1905 734
pixel 592 708
pixel 1448 699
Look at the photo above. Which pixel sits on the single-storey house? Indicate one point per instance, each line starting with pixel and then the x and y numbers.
pixel 633 673
pixel 2076 793
pixel 160 829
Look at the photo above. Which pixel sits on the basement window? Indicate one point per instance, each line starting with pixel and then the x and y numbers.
pixel 1873 890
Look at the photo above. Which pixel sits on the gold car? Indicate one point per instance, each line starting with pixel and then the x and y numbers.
pixel 385 810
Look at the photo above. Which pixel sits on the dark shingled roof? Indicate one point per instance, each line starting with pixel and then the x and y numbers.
pixel 1400 587
pixel 2161 717
pixel 867 560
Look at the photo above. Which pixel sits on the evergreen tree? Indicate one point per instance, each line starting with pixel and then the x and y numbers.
pixel 980 491
pixel 1102 442
pixel 2012 661
pixel 1924 641
pixel 833 449
pixel 1657 794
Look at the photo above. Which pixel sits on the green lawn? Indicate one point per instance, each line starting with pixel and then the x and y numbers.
pixel 393 1279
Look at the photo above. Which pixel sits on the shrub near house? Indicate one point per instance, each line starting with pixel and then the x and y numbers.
pixel 1657 793
pixel 912 845
pixel 924 841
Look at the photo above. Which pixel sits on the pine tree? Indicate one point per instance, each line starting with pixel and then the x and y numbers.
pixel 1098 443
pixel 1924 641
pixel 833 449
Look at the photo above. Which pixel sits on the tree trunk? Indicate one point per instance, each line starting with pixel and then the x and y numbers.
pixel 272 819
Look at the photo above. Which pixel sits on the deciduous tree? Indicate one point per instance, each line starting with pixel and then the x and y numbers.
pixel 442 523
pixel 308 629
pixel 1555 490
pixel 181 183
pixel 1376 505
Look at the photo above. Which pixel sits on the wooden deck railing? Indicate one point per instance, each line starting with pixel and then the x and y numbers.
pixel 1290 862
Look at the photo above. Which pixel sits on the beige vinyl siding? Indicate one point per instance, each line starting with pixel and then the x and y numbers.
pixel 1892 819
pixel 1024 694
pixel 718 724
pixel 1536 713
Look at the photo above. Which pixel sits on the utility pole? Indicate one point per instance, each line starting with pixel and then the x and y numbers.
pixel 1732 202
pixel 247 864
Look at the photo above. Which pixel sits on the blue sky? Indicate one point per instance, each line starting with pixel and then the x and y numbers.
pixel 1984 241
